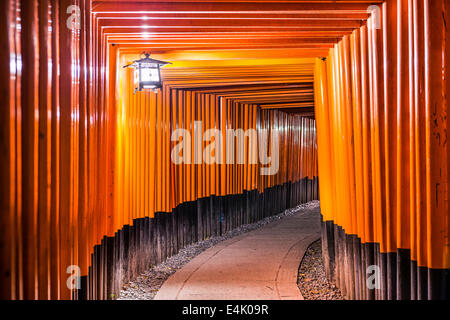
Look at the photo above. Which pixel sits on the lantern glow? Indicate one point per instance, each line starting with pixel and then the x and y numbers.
pixel 147 73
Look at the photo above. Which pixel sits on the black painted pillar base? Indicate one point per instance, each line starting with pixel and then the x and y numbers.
pixel 362 271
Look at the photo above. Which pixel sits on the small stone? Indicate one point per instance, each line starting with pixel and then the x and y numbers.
pixel 313 283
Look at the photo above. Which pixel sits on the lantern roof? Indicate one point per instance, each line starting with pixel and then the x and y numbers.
pixel 147 59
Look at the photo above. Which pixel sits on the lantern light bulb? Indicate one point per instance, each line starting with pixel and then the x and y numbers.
pixel 148 75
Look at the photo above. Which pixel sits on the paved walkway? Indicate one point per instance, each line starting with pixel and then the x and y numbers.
pixel 259 265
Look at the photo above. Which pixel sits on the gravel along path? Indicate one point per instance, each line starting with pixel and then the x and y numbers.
pixel 145 286
pixel 312 281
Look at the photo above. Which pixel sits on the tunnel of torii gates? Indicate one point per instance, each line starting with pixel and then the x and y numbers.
pixel 353 92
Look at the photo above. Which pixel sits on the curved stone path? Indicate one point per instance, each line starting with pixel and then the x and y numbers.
pixel 258 265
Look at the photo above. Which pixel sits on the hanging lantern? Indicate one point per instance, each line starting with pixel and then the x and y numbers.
pixel 147 73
